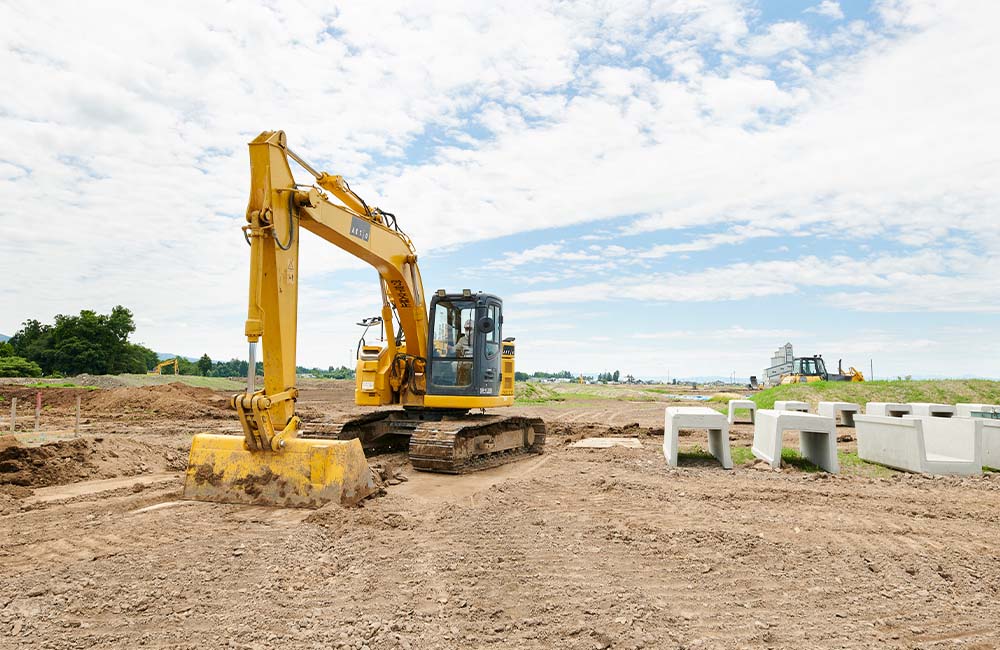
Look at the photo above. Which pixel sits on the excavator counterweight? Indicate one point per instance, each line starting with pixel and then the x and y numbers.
pixel 438 361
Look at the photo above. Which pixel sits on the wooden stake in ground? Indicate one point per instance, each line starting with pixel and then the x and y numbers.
pixel 13 413
pixel 76 427
pixel 38 409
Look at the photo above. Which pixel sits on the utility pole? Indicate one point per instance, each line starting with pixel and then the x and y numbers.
pixel 871 369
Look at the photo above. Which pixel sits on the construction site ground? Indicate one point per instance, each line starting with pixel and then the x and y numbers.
pixel 576 548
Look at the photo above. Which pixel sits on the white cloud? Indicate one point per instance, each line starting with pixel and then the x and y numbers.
pixel 828 8
pixel 130 171
pixel 929 281
pixel 779 37
pixel 913 13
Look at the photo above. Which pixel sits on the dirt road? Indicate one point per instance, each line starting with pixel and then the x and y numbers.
pixel 576 548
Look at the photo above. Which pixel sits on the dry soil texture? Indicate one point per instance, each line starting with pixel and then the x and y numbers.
pixel 576 548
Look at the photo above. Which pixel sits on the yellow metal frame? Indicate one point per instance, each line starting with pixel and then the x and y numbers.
pixel 467 401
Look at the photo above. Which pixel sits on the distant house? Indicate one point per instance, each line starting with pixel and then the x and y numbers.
pixel 782 363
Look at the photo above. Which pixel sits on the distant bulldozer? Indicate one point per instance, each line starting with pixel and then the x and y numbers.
pixel 810 369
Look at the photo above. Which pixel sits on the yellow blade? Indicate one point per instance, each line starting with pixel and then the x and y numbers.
pixel 304 474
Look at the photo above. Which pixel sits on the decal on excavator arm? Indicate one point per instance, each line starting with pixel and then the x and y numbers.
pixel 399 288
pixel 361 229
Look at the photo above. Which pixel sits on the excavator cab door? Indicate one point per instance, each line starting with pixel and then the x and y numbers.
pixel 465 334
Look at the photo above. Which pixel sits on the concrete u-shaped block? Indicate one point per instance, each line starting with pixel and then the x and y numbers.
pixel 791 405
pixel 676 418
pixel 817 437
pixel 922 444
pixel 965 410
pixel 930 409
pixel 742 404
pixel 888 409
pixel 846 411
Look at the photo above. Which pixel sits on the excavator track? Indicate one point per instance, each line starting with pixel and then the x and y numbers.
pixel 452 444
pixel 474 443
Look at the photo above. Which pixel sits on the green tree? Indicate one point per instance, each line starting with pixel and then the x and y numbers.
pixel 34 342
pixel 148 358
pixel 6 349
pixel 18 367
pixel 343 372
pixel 90 342
pixel 231 368
pixel 205 365
pixel 615 376
pixel 185 367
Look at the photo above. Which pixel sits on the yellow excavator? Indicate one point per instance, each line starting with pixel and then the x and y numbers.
pixel 158 370
pixel 437 362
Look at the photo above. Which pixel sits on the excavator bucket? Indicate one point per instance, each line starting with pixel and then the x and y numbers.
pixel 306 473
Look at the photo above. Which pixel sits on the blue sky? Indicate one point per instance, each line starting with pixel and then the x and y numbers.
pixel 677 185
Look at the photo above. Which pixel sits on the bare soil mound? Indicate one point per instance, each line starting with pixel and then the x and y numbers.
pixel 52 398
pixel 84 459
pixel 174 400
pixel 8 441
pixel 579 430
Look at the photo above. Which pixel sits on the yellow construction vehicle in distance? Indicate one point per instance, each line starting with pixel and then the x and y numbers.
pixel 811 369
pixel 163 364
pixel 438 361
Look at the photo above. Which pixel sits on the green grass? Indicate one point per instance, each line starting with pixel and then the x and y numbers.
pixel 215 383
pixel 742 455
pixel 850 463
pixel 532 393
pixel 795 459
pixel 723 398
pixel 65 384
pixel 945 391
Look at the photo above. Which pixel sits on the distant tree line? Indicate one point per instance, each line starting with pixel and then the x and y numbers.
pixel 238 368
pixel 562 374
pixel 603 377
pixel 89 343
pixel 98 344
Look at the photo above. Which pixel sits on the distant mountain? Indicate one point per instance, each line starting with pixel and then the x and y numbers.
pixel 4 337
pixel 164 356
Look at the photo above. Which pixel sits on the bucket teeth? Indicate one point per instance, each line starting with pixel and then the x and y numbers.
pixel 305 473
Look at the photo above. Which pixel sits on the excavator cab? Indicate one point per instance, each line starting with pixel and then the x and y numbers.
pixel 466 344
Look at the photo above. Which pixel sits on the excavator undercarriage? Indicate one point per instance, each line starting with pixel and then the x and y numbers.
pixel 447 441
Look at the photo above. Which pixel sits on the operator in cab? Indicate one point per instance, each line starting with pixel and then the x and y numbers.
pixel 463 350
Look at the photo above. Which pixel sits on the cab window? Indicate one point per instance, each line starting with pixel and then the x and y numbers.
pixel 493 338
pixel 453 344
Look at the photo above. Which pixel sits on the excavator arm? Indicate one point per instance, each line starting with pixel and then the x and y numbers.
pixel 278 209
pixel 271 464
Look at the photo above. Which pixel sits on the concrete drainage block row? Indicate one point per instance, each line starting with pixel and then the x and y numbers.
pixel 917 437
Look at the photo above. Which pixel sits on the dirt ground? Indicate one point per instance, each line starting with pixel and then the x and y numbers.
pixel 575 548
